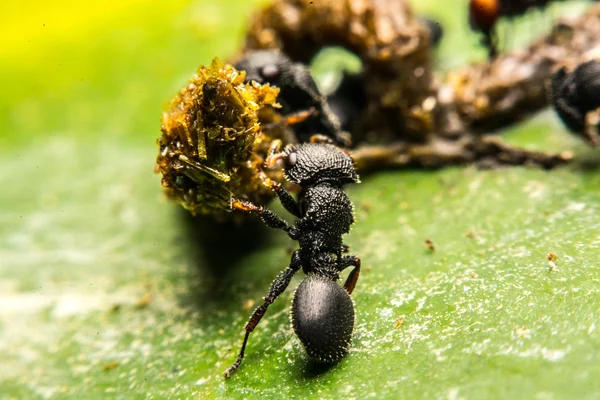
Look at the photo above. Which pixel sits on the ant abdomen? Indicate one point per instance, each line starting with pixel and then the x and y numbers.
pixel 587 82
pixel 323 318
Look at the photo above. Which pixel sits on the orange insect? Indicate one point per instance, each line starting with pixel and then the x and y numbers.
pixel 484 14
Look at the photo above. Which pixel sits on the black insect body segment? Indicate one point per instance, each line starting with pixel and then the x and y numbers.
pixel 576 94
pixel 349 100
pixel 322 312
pixel 323 318
pixel 298 93
pixel 316 163
pixel 326 208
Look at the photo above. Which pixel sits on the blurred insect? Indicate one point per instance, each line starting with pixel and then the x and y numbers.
pixel 552 258
pixel 429 244
pixel 298 93
pixel 436 30
pixel 575 95
pixel 484 15
pixel 322 311
pixel 110 366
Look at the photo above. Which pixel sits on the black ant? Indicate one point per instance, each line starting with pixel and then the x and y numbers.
pixel 298 93
pixel 349 100
pixel 576 94
pixel 322 311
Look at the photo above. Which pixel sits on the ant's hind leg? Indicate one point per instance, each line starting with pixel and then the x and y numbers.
pixel 350 261
pixel 277 288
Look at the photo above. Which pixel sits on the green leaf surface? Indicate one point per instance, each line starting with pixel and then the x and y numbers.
pixel 109 291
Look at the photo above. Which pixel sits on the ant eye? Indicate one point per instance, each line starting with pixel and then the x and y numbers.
pixel 291 160
pixel 269 71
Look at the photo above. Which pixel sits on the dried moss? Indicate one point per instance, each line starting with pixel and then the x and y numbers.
pixel 213 140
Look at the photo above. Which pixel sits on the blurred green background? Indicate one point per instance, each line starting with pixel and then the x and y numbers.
pixel 109 291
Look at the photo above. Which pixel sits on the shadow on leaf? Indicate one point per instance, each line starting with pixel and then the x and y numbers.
pixel 215 252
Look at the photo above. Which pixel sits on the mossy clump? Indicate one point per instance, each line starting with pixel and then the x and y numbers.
pixel 216 135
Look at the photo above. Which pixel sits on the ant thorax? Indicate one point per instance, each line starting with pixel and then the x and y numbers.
pixel 327 209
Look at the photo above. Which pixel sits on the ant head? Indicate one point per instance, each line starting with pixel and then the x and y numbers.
pixel 323 318
pixel 311 163
pixel 264 66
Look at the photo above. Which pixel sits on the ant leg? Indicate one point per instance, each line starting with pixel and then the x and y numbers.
pixel 341 139
pixel 592 128
pixel 300 116
pixel 274 154
pixel 285 197
pixel 320 138
pixel 268 217
pixel 277 288
pixel 350 261
pixel 494 44
pixel 292 119
pixel 490 41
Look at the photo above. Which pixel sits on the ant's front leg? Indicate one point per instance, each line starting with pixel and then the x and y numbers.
pixel 285 197
pixel 268 217
pixel 277 288
pixel 292 119
pixel 350 261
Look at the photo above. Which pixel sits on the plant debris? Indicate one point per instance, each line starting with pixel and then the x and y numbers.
pixel 412 117
pixel 219 129
pixel 213 140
